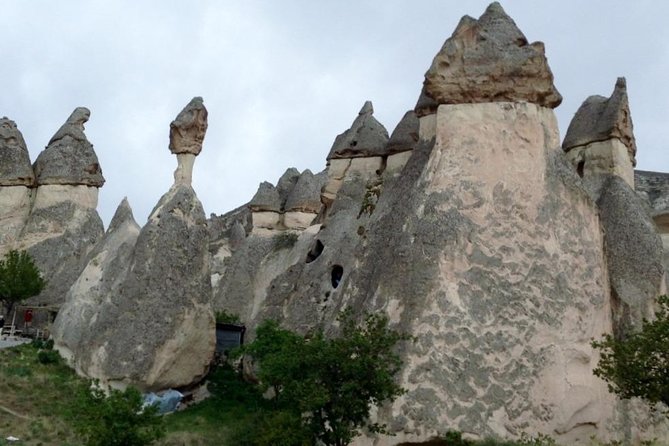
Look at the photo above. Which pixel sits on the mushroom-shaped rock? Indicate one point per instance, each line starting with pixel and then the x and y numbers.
pixel 188 129
pixel 15 167
pixel 266 198
pixel 488 60
pixel 306 195
pixel 405 135
pixel 600 119
pixel 366 137
pixel 69 158
pixel 167 287
pixel 287 183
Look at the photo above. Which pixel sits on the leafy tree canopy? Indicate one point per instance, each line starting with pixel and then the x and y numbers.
pixel 638 365
pixel 115 419
pixel 19 278
pixel 329 385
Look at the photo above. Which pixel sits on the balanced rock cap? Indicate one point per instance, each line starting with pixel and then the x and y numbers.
pixel 306 195
pixel 600 118
pixel 405 135
pixel 366 137
pixel 188 129
pixel 266 199
pixel 69 157
pixel 488 60
pixel 15 166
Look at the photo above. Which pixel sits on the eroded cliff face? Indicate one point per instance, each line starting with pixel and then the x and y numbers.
pixel 501 293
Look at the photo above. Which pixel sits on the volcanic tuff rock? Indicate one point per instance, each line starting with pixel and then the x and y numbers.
pixel 165 294
pixel 16 176
pixel 635 264
pixel 600 118
pixel 266 198
pixel 63 225
pixel 405 135
pixel 158 286
pixel 488 60
pixel 188 129
pixel 305 196
pixel 366 137
pixel 86 321
pixel 286 184
pixel 69 159
pixel 15 167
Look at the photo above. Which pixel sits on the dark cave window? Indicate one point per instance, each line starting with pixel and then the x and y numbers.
pixel 315 251
pixel 579 168
pixel 336 275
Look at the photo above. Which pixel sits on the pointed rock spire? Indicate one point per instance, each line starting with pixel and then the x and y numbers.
pixel 488 60
pixel 69 158
pixel 188 129
pixel 366 137
pixel 600 118
pixel 15 167
pixel 405 135
pixel 122 215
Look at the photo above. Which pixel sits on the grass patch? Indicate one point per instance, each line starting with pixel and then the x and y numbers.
pixel 35 398
pixel 214 420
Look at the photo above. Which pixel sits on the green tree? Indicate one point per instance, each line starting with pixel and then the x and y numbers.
pixel 115 419
pixel 330 384
pixel 638 365
pixel 19 279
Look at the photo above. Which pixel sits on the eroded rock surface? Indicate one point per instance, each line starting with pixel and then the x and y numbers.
pixel 166 294
pixel 634 254
pixel 69 158
pixel 366 137
pixel 84 322
pixel 488 60
pixel 15 166
pixel 188 129
pixel 600 119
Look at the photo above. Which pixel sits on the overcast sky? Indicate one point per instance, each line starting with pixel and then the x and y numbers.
pixel 282 78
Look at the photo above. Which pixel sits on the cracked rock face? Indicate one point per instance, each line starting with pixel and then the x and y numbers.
pixel 188 129
pixel 367 137
pixel 600 119
pixel 69 158
pixel 488 60
pixel 15 166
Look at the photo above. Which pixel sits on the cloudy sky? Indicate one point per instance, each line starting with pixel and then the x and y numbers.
pixel 282 78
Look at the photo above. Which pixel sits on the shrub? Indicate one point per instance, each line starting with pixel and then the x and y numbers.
pixel 19 278
pixel 638 365
pixel 117 419
pixel 284 240
pixel 48 357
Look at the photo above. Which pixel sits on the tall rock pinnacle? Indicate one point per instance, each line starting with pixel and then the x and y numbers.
pixel 186 136
pixel 488 60
pixel 69 158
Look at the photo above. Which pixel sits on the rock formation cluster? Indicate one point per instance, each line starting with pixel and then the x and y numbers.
pixel 500 249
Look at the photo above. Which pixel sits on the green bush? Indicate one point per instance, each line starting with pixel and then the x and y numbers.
pixel 638 365
pixel 223 317
pixel 116 419
pixel 19 279
pixel 48 357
